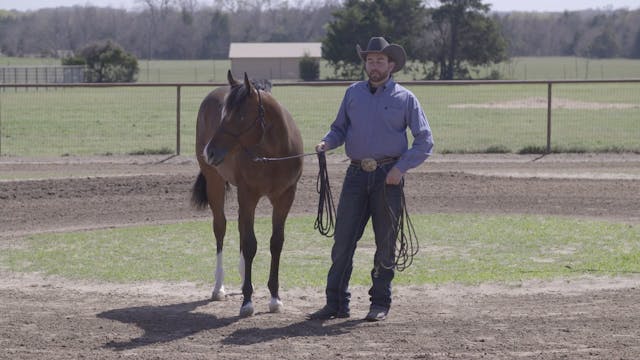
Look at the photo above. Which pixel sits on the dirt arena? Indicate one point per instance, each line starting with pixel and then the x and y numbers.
pixel 593 317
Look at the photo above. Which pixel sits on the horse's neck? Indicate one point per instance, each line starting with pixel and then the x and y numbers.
pixel 279 130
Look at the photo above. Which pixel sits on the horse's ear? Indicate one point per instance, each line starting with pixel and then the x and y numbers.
pixel 230 78
pixel 247 83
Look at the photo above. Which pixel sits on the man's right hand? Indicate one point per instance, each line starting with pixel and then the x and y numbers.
pixel 321 147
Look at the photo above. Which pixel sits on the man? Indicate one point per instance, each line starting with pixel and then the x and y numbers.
pixel 372 122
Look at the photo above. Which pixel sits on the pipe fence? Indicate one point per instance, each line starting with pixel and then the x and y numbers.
pixel 51 120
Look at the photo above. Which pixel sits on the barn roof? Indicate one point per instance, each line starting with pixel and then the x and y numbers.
pixel 275 50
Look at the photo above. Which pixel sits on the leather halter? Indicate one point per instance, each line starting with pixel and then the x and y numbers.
pixel 260 120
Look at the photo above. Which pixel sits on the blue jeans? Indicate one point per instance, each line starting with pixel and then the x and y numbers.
pixel 364 195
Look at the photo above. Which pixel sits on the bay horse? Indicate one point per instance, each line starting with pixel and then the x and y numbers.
pixel 238 125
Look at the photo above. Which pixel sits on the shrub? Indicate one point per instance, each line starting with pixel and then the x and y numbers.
pixel 309 68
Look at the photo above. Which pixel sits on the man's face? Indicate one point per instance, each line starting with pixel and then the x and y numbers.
pixel 378 67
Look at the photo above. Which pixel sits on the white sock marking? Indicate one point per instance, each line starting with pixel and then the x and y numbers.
pixel 219 284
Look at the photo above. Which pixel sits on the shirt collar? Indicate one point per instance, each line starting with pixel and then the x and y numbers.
pixel 388 84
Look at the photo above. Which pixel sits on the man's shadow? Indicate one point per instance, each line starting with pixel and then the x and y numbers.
pixel 303 328
pixel 167 323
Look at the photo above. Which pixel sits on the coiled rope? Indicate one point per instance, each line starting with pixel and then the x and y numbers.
pixel 325 221
pixel 405 234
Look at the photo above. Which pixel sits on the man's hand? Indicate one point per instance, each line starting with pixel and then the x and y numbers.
pixel 322 146
pixel 394 176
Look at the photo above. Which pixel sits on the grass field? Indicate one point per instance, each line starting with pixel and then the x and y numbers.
pixel 469 118
pixel 564 68
pixel 517 68
pixel 465 249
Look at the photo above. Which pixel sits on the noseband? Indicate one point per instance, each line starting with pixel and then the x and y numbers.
pixel 260 120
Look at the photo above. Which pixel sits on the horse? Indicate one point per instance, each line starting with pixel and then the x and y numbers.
pixel 240 130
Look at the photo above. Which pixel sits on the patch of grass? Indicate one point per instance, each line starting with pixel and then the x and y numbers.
pixel 161 151
pixel 556 149
pixel 533 149
pixel 466 249
pixel 497 149
pixel 493 149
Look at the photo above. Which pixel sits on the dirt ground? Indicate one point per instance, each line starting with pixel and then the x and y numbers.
pixel 45 317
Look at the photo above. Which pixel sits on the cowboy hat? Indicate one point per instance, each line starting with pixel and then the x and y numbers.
pixel 379 45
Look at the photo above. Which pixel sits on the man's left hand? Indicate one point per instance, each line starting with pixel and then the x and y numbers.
pixel 394 176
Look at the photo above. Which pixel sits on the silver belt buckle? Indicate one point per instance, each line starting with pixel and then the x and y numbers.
pixel 368 164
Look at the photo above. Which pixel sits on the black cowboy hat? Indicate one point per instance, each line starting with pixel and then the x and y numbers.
pixel 379 45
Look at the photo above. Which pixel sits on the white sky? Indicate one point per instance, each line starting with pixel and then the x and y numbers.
pixel 497 5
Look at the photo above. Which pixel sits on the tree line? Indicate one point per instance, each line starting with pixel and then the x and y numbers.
pixel 441 39
pixel 588 33
pixel 161 29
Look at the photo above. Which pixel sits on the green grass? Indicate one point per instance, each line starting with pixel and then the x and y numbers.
pixel 183 70
pixel 119 120
pixel 468 249
pixel 563 68
pixel 517 68
pixel 126 120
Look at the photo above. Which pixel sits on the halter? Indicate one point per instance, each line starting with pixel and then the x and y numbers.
pixel 260 120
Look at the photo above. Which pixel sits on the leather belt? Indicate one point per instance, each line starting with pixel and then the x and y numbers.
pixel 370 164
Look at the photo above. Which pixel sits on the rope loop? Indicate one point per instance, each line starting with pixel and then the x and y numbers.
pixel 325 221
pixel 407 245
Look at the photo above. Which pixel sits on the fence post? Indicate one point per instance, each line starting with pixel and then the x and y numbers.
pixel 178 120
pixel 549 117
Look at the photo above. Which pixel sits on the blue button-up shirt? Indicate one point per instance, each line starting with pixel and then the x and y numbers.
pixel 374 125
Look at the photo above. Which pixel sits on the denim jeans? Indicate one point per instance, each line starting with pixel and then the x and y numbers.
pixel 364 195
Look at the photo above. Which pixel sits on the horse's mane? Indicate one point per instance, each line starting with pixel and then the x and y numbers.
pixel 239 92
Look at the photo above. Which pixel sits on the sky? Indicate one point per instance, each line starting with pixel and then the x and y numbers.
pixel 497 5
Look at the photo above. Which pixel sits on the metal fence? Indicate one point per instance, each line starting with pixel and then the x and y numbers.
pixel 465 116
pixel 42 74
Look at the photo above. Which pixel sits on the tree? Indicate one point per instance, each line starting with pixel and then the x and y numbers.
pixel 635 51
pixel 106 62
pixel 399 21
pixel 603 46
pixel 217 39
pixel 463 35
pixel 353 24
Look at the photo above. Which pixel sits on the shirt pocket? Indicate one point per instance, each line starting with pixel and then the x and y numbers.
pixel 393 116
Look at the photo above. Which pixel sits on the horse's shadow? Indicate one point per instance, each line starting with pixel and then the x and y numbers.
pixel 167 323
pixel 164 323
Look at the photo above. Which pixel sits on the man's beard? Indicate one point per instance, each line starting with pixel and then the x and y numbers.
pixel 377 76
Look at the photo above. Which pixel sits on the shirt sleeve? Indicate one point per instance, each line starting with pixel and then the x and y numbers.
pixel 338 130
pixel 422 146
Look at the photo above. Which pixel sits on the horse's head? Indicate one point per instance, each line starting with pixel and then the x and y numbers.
pixel 242 123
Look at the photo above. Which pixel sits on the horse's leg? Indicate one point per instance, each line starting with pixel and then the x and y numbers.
pixel 216 195
pixel 281 207
pixel 247 202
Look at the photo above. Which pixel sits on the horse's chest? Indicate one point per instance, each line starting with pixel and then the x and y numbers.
pixel 227 173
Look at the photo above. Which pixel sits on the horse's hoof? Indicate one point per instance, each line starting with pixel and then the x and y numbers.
pixel 219 295
pixel 275 305
pixel 246 310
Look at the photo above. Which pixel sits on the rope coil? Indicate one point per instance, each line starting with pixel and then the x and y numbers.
pixel 406 236
pixel 325 221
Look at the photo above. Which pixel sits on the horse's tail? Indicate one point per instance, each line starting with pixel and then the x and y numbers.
pixel 199 198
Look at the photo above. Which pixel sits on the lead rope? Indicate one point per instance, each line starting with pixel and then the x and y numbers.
pixel 325 221
pixel 405 235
